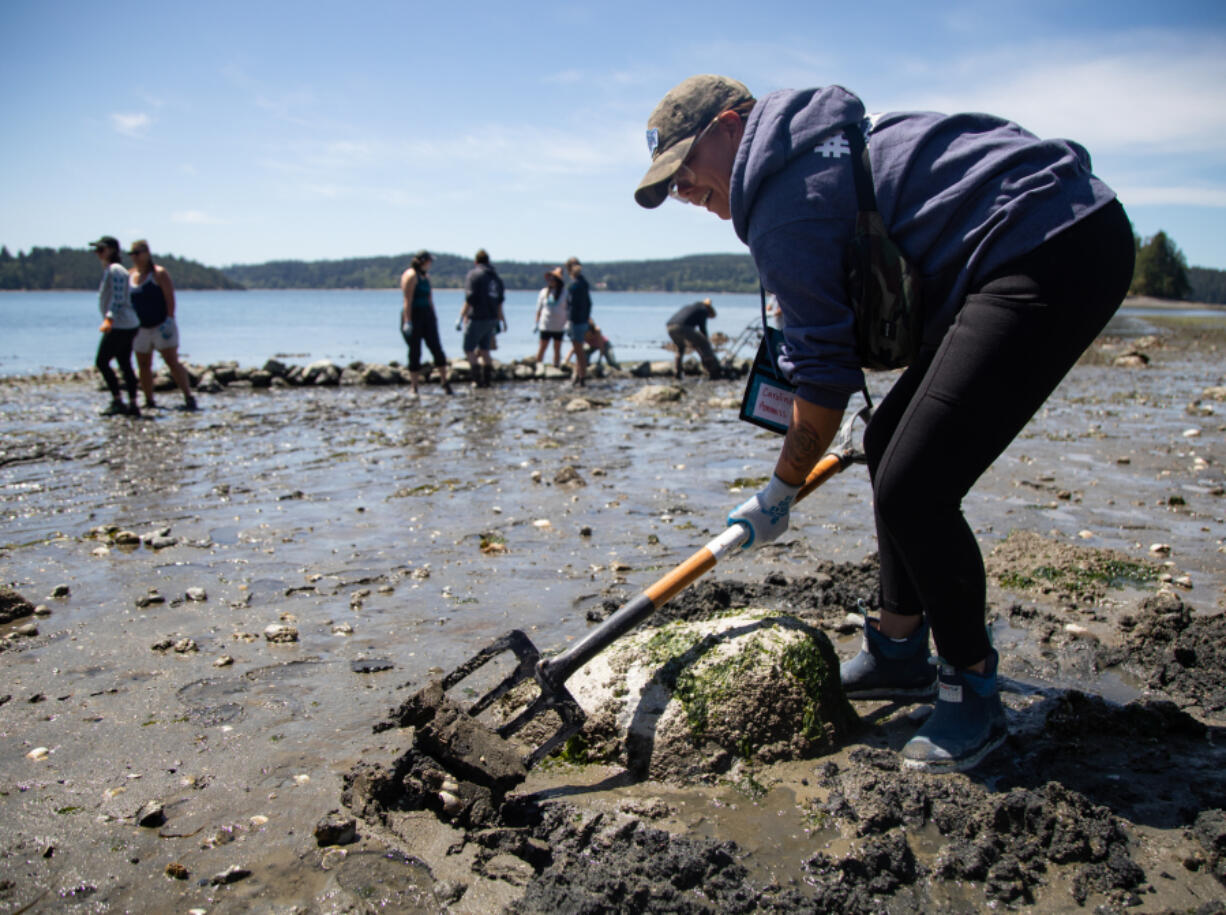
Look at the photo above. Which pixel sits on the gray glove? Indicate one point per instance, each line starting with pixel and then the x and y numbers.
pixel 765 516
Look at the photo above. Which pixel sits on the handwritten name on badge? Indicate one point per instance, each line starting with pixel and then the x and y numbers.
pixel 774 404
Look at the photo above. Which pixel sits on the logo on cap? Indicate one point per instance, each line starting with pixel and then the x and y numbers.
pixel 653 140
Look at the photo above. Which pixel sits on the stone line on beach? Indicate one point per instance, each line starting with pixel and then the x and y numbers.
pixel 274 373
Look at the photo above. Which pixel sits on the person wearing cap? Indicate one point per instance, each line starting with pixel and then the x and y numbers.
pixel 118 328
pixel 550 320
pixel 578 317
pixel 1024 254
pixel 419 321
pixel 483 315
pixel 153 298
pixel 688 327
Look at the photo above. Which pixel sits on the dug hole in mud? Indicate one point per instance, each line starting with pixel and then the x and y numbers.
pixel 1086 806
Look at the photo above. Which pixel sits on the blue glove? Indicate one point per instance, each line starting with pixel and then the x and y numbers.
pixel 765 516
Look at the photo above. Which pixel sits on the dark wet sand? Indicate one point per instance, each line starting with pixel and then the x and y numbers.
pixel 359 507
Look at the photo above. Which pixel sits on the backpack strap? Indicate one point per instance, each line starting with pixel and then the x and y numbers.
pixel 866 197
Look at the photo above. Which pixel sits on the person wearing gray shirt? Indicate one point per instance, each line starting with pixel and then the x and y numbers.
pixel 118 328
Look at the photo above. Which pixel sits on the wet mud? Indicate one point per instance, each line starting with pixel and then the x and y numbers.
pixel 211 602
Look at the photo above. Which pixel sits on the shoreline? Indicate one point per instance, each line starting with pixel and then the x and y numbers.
pixel 323 373
pixel 365 521
pixel 516 369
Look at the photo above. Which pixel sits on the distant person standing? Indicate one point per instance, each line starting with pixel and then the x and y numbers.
pixel 483 298
pixel 551 316
pixel 119 327
pixel 579 315
pixel 418 320
pixel 689 327
pixel 153 299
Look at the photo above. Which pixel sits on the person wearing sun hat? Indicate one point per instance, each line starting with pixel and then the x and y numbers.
pixel 550 321
pixel 1024 256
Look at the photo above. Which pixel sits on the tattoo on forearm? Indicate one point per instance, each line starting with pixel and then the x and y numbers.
pixel 802 446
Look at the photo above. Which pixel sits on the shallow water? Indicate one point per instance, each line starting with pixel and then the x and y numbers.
pixel 292 502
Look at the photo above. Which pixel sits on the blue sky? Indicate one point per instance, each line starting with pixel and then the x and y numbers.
pixel 245 132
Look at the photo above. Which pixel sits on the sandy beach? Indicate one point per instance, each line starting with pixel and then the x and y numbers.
pixel 228 602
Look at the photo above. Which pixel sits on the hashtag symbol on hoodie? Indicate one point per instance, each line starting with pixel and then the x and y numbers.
pixel 834 147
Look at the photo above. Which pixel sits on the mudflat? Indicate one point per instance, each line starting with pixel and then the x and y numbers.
pixel 223 606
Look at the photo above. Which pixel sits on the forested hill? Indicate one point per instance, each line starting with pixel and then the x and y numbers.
pixel 695 273
pixel 1207 285
pixel 69 268
pixel 77 268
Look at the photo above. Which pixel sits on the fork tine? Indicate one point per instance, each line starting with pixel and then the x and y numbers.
pixel 522 672
pixel 514 641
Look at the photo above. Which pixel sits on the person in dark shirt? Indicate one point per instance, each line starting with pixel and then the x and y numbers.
pixel 688 327
pixel 483 298
pixel 419 321
pixel 153 297
pixel 579 314
pixel 1025 256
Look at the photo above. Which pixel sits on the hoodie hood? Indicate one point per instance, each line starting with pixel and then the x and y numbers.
pixel 782 126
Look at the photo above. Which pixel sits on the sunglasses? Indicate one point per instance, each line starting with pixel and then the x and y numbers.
pixel 684 176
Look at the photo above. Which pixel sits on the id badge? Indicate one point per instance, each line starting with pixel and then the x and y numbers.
pixel 768 395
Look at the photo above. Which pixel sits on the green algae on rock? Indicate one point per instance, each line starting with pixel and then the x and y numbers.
pixel 689 699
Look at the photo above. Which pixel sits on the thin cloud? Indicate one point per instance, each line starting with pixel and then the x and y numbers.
pixel 563 78
pixel 131 125
pixel 1145 92
pixel 1140 195
pixel 194 217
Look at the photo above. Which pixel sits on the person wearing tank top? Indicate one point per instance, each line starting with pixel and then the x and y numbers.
pixel 418 321
pixel 153 298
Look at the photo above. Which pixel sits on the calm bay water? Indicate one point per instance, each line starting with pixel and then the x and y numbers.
pixel 58 331
pixel 46 331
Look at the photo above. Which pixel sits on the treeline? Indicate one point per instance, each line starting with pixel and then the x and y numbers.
pixel 1161 272
pixel 1207 285
pixel 74 268
pixel 694 273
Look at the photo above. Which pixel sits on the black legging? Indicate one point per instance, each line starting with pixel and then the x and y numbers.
pixel 117 345
pixel 959 405
pixel 425 327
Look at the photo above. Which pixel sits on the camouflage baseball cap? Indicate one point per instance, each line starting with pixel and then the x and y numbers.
pixel 672 128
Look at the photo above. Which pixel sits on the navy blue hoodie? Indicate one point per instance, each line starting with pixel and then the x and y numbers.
pixel 961 195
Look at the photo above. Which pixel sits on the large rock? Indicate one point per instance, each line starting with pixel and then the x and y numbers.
pixel 209 383
pixel 380 375
pixel 13 606
pixel 690 699
pixel 324 373
pixel 656 393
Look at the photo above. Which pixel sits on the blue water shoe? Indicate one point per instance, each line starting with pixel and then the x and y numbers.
pixel 966 725
pixel 887 668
